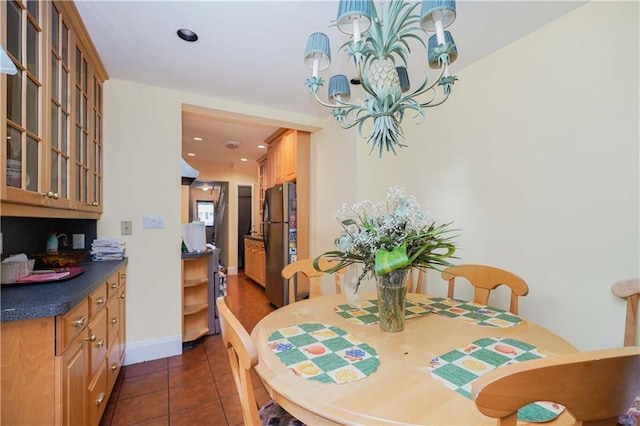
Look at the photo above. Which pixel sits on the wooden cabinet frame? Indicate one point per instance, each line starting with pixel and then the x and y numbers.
pixel 84 166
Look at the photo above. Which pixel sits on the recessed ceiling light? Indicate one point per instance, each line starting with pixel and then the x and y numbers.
pixel 187 35
pixel 261 146
pixel 191 154
pixel 243 159
pixel 197 138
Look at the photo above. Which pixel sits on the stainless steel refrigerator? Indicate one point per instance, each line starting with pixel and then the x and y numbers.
pixel 280 239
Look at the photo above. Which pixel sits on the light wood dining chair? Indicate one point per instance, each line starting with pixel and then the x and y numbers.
pixel 415 280
pixel 485 278
pixel 306 268
pixel 595 387
pixel 244 357
pixel 629 290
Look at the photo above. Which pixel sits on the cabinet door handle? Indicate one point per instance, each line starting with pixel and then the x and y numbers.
pixel 114 286
pixel 114 367
pixel 122 296
pixel 100 343
pixel 100 301
pixel 114 320
pixel 100 399
pixel 91 338
pixel 80 321
pixel 123 276
pixel 95 204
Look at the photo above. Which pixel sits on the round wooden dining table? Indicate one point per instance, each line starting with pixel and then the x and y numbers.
pixel 401 390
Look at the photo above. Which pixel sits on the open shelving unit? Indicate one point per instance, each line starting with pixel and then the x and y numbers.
pixel 195 304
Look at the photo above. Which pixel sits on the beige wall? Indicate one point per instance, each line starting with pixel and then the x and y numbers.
pixel 535 159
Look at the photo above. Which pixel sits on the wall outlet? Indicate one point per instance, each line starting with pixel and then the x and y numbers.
pixel 126 227
pixel 78 241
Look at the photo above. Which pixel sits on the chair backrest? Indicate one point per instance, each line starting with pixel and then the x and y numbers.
pixel 416 275
pixel 305 267
pixel 484 279
pixel 629 289
pixel 596 387
pixel 243 357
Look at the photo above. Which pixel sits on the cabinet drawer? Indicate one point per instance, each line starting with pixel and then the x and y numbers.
pixel 114 364
pixel 113 320
pixel 70 324
pixel 98 395
pixel 98 341
pixel 113 283
pixel 97 300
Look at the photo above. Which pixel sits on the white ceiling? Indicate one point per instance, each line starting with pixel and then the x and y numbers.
pixel 252 51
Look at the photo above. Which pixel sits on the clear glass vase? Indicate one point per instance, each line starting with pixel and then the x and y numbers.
pixel 392 292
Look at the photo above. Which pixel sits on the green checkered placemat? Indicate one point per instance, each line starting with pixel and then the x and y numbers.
pixel 323 353
pixel 367 312
pixel 472 312
pixel 459 368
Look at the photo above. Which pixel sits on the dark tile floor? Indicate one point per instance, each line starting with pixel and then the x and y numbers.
pixel 195 388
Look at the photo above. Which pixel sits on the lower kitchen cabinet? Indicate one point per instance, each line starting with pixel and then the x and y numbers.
pixel 66 365
pixel 255 260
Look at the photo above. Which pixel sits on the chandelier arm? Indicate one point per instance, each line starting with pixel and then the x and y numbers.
pixel 420 90
pixel 429 104
pixel 328 105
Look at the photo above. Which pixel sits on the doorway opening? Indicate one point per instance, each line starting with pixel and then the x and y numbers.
pixel 245 215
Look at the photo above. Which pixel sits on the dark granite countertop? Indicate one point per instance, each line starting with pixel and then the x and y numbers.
pixel 27 301
pixel 196 254
pixel 254 237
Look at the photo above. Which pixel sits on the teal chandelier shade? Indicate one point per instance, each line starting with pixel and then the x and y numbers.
pixel 350 10
pixel 6 64
pixel 403 77
pixel 317 50
pixel 339 88
pixel 434 55
pixel 378 46
pixel 430 11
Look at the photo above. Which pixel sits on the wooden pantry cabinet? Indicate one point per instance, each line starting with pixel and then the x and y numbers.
pixel 52 119
pixel 67 365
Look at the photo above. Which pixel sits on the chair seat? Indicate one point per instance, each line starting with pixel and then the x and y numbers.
pixel 632 418
pixel 272 414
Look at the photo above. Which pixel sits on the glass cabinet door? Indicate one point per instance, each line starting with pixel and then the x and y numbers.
pixel 59 147
pixel 24 113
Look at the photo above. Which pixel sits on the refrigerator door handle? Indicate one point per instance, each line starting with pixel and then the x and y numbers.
pixel 265 234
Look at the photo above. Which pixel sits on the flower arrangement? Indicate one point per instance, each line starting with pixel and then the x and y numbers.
pixel 390 235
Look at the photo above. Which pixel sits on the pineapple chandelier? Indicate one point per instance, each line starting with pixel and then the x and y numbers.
pixel 377 43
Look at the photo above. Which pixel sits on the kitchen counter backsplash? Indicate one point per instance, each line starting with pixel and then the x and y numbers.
pixel 29 235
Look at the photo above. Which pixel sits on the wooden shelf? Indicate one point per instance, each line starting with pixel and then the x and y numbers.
pixel 195 303
pixel 194 309
pixel 194 282
pixel 195 334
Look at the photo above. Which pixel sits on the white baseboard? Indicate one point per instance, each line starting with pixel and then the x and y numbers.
pixel 153 349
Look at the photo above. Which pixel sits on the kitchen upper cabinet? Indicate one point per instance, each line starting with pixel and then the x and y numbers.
pixel 283 160
pixel 52 118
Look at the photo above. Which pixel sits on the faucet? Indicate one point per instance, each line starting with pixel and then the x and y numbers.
pixel 65 242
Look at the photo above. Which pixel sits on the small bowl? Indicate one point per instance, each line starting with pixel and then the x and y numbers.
pixel 62 259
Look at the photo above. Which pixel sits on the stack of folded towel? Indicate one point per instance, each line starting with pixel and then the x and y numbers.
pixel 106 248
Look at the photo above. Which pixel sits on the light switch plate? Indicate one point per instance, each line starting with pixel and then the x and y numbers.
pixel 150 221
pixel 126 227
